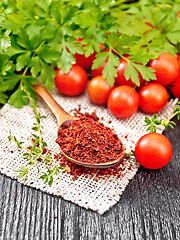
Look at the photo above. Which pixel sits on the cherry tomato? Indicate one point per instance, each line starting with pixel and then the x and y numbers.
pixel 175 89
pixel 123 101
pixel 99 90
pixel 83 61
pixel 120 79
pixel 73 83
pixel 153 151
pixel 153 97
pixel 166 68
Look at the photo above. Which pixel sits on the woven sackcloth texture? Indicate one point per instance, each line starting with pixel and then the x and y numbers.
pixel 85 190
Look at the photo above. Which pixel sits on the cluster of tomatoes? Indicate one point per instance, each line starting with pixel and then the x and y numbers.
pixel 122 98
pixel 153 150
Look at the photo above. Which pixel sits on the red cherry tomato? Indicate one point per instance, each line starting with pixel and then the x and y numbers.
pixel 153 151
pixel 120 79
pixel 123 101
pixel 99 90
pixel 85 62
pixel 175 89
pixel 73 83
pixel 166 68
pixel 153 97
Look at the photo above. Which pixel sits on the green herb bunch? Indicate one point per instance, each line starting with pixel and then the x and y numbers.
pixel 37 35
pixel 157 23
pixel 37 151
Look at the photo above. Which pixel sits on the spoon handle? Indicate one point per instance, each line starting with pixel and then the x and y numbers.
pixel 60 114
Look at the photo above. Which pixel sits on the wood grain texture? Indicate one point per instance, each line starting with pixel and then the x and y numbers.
pixel 148 209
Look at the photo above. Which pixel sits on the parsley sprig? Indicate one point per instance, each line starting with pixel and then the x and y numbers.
pixel 39 35
pixel 35 153
pixel 154 123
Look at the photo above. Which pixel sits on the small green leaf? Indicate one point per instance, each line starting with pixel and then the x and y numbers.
pixel 65 61
pixel 147 73
pixel 5 41
pixel 126 40
pixel 110 72
pixel 35 66
pixel 23 61
pixel 140 57
pixel 132 73
pixel 33 30
pixel 26 154
pixel 48 54
pixel 50 181
pixel 47 75
pixel 35 128
pixel 100 59
pixel 23 39
pixel 61 168
pixel 152 123
pixel 147 120
pixel 3 98
pixel 10 83
pixel 18 99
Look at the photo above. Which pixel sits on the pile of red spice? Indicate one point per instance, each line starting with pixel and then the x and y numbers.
pixel 88 140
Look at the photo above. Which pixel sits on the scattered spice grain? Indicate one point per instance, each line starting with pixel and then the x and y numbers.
pixel 76 170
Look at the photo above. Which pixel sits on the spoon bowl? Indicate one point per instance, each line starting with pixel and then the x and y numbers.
pixel 63 118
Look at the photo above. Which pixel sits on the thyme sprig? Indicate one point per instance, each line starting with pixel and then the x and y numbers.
pixel 154 123
pixel 36 152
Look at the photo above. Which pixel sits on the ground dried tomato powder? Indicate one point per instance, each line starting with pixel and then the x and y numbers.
pixel 90 141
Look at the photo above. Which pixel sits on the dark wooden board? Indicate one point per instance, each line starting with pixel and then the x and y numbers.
pixel 148 209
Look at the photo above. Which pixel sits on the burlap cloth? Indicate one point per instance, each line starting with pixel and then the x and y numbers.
pixel 85 190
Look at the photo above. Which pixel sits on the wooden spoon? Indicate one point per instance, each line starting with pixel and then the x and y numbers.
pixel 63 118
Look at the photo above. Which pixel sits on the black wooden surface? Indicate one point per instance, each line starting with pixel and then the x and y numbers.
pixel 148 209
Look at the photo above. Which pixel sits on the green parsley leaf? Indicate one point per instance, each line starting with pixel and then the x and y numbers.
pixel 3 98
pixel 110 71
pixel 23 61
pixel 35 66
pixel 66 60
pixel 47 75
pixel 9 82
pixel 18 98
pixel 147 73
pixel 132 73
pixel 100 59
